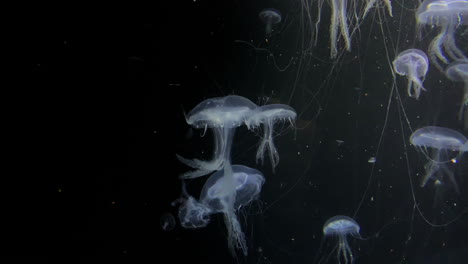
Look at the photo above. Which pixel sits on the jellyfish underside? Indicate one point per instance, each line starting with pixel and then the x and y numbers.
pixel 267 116
pixel 437 168
pixel 222 115
pixel 268 144
pixel 447 15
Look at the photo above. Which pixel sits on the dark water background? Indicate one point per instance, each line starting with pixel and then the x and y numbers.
pixel 117 85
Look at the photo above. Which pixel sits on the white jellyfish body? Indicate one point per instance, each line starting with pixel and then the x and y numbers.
pixel 440 140
pixel 224 194
pixel 222 115
pixel 414 64
pixel 341 227
pixel 269 16
pixel 267 116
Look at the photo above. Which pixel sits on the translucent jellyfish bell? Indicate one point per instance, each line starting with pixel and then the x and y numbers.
pixel 267 116
pixel 440 140
pixel 458 72
pixel 222 115
pixel 341 227
pixel 413 64
pixel 447 15
pixel 269 16
pixel 220 196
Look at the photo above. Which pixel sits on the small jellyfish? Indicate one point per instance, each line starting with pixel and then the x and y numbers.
pixel 341 227
pixel 167 222
pixel 226 195
pixel 413 64
pixel 267 116
pixel 269 16
pixel 440 140
pixel 458 72
pixel 222 115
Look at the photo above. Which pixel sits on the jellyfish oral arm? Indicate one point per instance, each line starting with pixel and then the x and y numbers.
pixel 338 18
pixel 268 144
pixel 414 82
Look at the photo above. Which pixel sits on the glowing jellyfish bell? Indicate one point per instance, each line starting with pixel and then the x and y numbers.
pixel 268 115
pixel 457 71
pixel 218 196
pixel 222 115
pixel 341 227
pixel 447 15
pixel 413 64
pixel 269 16
pixel 440 140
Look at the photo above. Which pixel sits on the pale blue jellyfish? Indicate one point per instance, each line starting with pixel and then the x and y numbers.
pixel 413 64
pixel 223 194
pixel 447 15
pixel 222 115
pixel 269 16
pixel 458 72
pixel 267 116
pixel 340 227
pixel 440 141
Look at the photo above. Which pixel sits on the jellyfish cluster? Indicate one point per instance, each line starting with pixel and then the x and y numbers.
pixel 229 187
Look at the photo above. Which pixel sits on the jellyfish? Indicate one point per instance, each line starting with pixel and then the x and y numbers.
pixel 269 17
pixel 341 227
pixel 267 116
pixel 440 140
pixel 220 195
pixel 413 64
pixel 447 15
pixel 458 72
pixel 222 115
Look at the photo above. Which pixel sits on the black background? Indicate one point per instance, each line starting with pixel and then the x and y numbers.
pixel 106 92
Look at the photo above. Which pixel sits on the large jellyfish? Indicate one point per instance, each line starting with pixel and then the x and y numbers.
pixel 269 17
pixel 458 72
pixel 413 64
pixel 222 115
pixel 448 15
pixel 267 116
pixel 218 196
pixel 341 227
pixel 440 140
